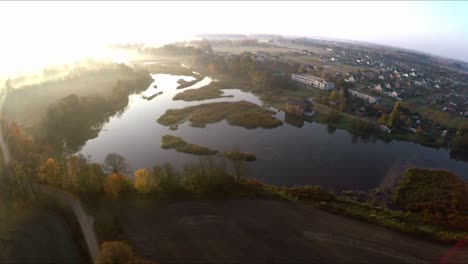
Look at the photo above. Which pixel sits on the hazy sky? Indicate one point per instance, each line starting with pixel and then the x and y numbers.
pixel 42 30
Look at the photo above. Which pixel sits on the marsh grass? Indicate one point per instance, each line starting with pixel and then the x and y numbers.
pixel 211 91
pixel 242 113
pixel 180 145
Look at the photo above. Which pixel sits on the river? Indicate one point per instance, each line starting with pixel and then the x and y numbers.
pixel 296 153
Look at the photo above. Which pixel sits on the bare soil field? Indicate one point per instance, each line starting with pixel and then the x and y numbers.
pixel 267 231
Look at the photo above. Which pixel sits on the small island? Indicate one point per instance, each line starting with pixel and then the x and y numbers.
pixel 211 91
pixel 242 113
pixel 149 98
pixel 184 84
pixel 180 145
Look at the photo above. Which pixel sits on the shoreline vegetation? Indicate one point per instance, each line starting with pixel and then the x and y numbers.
pixel 180 145
pixel 241 113
pixel 211 91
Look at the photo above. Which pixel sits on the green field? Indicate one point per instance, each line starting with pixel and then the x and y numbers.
pixel 327 67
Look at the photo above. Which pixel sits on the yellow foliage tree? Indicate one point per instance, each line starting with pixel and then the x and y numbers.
pixel 118 252
pixel 143 182
pixel 115 184
pixel 50 172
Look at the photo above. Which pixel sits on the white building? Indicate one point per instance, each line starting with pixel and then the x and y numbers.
pixel 350 79
pixel 378 87
pixel 369 98
pixel 311 80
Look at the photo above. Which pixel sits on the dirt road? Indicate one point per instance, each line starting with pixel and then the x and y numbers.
pixel 86 221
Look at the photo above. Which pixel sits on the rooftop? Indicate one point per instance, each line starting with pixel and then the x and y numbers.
pixel 311 77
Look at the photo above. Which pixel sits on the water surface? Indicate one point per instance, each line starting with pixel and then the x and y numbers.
pixel 295 153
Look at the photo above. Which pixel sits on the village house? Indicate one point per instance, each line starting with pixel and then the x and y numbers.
pixel 299 107
pixel 378 87
pixel 350 79
pixel 369 98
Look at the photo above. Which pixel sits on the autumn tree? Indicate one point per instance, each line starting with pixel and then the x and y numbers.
pixel 115 163
pixel 76 170
pixel 115 184
pixel 51 172
pixel 20 144
pixel 115 252
pixel 333 97
pixel 394 117
pixel 20 179
pixel 95 179
pixel 419 131
pixel 143 181
pixel 383 119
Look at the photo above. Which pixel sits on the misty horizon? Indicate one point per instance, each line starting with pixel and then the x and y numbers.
pixel 59 29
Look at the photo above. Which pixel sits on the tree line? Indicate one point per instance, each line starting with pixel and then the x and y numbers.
pixel 74 119
pixel 37 163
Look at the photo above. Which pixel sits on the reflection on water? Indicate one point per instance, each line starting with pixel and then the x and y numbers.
pixel 293 154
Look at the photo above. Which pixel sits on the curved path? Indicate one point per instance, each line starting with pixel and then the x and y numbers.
pixel 85 220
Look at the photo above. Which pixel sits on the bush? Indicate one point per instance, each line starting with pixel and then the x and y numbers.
pixel 208 177
pixel 115 252
pixel 309 192
pixel 334 116
pixel 168 179
pixel 439 196
pixel 362 126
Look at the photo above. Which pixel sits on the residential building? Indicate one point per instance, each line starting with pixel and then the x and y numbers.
pixel 311 80
pixel 378 87
pixel 350 79
pixel 369 98
pixel 299 107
